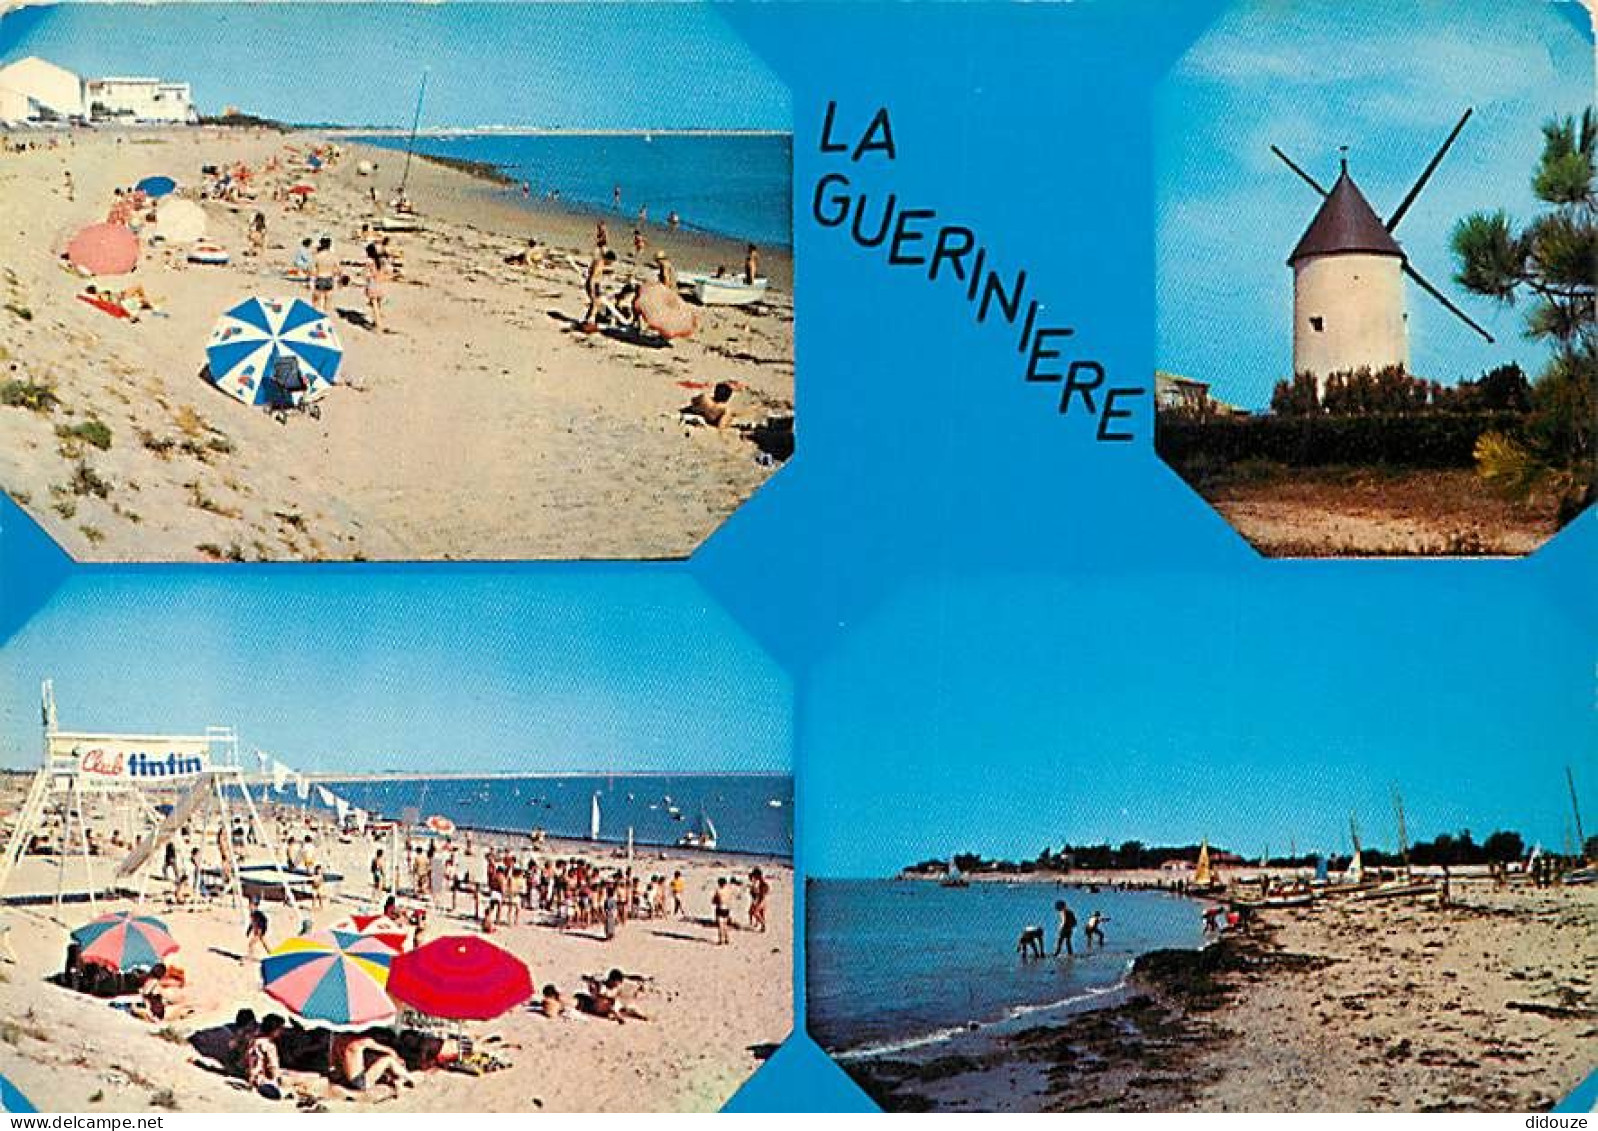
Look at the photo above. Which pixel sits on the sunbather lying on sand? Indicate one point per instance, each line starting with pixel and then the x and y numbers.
pixel 361 1063
pixel 608 998
pixel 714 410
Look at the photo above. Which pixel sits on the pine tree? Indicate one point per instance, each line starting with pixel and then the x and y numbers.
pixel 1553 260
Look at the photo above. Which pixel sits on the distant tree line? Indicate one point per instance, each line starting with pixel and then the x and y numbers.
pixel 1453 849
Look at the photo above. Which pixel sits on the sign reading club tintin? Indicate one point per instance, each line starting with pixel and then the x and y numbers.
pixel 141 759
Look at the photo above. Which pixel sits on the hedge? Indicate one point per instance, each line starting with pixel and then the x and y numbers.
pixel 1429 440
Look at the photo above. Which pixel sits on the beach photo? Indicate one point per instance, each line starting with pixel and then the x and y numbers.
pixel 1375 245
pixel 519 842
pixel 1300 863
pixel 466 281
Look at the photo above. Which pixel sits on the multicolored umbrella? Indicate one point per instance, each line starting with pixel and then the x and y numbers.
pixel 379 927
pixel 250 340
pixel 156 186
pixel 124 941
pixel 104 249
pixel 460 978
pixel 664 311
pixel 332 978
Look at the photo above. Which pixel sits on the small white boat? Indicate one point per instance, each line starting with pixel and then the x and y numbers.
pixel 722 290
pixel 702 837
pixel 399 222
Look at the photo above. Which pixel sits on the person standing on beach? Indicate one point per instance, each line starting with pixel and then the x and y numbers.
pixel 722 907
pixel 255 932
pixel 677 887
pixel 759 889
pixel 378 869
pixel 601 236
pixel 594 286
pixel 639 244
pixel 376 286
pixel 324 275
pixel 1062 941
pixel 751 264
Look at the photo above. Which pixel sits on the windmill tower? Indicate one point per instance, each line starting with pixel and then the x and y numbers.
pixel 1348 278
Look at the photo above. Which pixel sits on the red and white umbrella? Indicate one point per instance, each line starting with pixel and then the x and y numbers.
pixel 104 249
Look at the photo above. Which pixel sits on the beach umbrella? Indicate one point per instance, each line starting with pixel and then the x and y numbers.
pixel 180 221
pixel 441 824
pixel 104 249
pixel 123 940
pixel 664 311
pixel 366 948
pixel 460 978
pixel 251 338
pixel 320 981
pixel 379 927
pixel 154 187
pixel 301 189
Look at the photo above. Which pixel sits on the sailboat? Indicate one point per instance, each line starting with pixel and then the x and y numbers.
pixel 593 817
pixel 1204 877
pixel 702 837
pixel 953 877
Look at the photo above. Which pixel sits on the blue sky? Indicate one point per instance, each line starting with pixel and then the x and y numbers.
pixel 1389 81
pixel 1258 708
pixel 337 669
pixel 572 65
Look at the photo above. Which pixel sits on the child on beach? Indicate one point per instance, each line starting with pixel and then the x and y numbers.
pixel 1093 930
pixel 721 904
pixel 376 280
pixel 255 932
pixel 258 235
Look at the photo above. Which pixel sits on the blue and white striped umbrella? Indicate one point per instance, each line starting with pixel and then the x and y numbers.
pixel 250 339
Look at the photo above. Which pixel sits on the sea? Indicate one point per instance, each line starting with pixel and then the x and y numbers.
pixel 752 813
pixel 901 968
pixel 736 185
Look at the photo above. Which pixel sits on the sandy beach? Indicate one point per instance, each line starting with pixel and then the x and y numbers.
pixel 484 427
pixel 1484 1005
pixel 714 1013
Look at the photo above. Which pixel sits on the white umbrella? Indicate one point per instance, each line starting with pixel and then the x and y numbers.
pixel 180 221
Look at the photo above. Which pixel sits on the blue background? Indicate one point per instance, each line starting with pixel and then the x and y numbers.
pixel 923 458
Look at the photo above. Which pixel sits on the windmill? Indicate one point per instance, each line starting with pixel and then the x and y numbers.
pixel 1348 277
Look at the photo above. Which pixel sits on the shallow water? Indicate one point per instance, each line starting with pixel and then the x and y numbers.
pixel 738 805
pixel 900 966
pixel 730 185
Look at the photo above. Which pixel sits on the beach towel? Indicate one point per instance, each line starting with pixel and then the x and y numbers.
pixel 116 310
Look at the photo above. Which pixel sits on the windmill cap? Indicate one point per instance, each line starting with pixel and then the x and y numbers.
pixel 1345 224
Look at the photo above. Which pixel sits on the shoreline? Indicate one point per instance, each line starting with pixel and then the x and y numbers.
pixel 1286 1014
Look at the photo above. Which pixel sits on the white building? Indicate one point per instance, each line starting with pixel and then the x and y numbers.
pixel 33 90
pixel 141 99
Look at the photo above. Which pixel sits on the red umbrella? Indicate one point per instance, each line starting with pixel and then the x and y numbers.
pixel 301 189
pixel 104 249
pixel 460 978
pixel 664 311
